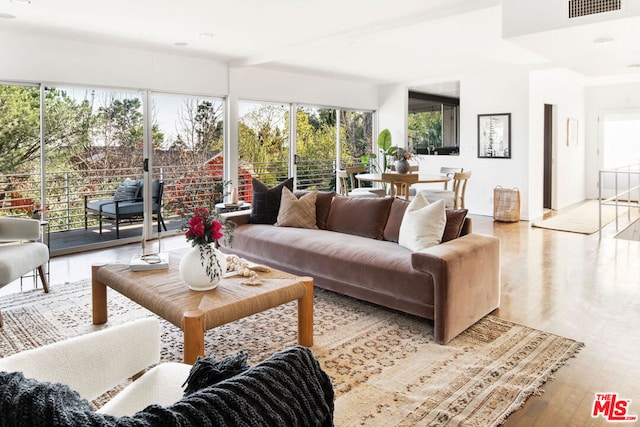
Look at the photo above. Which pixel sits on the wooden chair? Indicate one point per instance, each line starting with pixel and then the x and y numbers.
pixel 453 199
pixel 400 183
pixel 449 172
pixel 412 168
pixel 350 186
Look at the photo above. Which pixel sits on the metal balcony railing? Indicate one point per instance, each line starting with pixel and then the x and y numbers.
pixel 185 187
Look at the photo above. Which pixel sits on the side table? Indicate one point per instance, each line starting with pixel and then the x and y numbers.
pixel 227 207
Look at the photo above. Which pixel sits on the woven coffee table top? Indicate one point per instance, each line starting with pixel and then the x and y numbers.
pixel 165 293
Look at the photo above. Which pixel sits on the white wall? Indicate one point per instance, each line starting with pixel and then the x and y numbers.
pixel 393 110
pixel 564 90
pixel 31 58
pixel 495 92
pixel 269 85
pixel 600 99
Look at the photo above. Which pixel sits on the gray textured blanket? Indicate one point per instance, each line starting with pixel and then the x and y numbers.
pixel 288 389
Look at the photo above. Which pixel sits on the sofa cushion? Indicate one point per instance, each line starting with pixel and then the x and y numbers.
pixel 423 224
pixel 127 190
pixel 296 212
pixel 374 270
pixel 323 206
pixel 266 201
pixel 455 221
pixel 360 216
pixel 392 229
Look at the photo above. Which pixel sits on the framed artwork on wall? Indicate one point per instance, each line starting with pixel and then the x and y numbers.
pixel 494 136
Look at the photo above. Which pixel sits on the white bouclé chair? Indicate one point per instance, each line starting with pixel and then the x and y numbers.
pixel 94 363
pixel 20 250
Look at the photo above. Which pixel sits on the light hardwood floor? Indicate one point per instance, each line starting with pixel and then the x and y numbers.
pixel 568 284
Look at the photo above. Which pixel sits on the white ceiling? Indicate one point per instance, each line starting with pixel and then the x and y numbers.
pixel 420 42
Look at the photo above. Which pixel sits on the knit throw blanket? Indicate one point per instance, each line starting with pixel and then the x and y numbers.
pixel 288 389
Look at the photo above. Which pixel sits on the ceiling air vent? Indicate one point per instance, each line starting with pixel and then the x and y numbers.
pixel 590 7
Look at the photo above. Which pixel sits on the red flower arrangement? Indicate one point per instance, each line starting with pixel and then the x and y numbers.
pixel 202 229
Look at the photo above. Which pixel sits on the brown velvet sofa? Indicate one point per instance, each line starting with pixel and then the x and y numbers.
pixel 355 252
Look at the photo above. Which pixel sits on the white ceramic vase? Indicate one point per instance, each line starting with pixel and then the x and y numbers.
pixel 202 267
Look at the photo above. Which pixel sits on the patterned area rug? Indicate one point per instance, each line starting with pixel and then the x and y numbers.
pixel 385 367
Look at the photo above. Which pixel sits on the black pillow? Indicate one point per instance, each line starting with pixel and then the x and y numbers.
pixel 266 201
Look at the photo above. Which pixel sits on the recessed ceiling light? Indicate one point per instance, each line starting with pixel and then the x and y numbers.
pixel 181 44
pixel 6 16
pixel 604 40
pixel 21 1
pixel 634 65
pixel 207 35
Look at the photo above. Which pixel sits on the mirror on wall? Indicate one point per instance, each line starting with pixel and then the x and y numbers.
pixel 433 124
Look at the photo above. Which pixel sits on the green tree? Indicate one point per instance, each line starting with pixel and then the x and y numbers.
pixel 19 128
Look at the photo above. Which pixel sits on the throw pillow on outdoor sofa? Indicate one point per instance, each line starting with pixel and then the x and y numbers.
pixel 266 201
pixel 294 212
pixel 127 190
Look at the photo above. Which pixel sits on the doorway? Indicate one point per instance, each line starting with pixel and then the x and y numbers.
pixel 547 179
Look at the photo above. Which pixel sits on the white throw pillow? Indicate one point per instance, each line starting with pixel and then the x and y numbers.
pixel 423 224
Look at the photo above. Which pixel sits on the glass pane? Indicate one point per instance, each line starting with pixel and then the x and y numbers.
pixel 356 135
pixel 93 142
pixel 263 145
pixel 315 147
pixel 20 193
pixel 188 135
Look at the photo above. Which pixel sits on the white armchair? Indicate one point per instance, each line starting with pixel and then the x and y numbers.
pixel 96 362
pixel 20 251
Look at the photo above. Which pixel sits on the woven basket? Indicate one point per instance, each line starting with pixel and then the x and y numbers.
pixel 506 204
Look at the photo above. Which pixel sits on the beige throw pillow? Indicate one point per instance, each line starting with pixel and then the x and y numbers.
pixel 294 212
pixel 423 224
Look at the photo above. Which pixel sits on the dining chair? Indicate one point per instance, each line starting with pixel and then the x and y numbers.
pixel 400 183
pixel 412 168
pixel 448 171
pixel 355 183
pixel 345 188
pixel 452 199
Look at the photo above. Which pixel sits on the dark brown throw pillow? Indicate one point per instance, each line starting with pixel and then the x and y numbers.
pixel 265 204
pixel 323 205
pixel 360 216
pixel 455 221
pixel 392 229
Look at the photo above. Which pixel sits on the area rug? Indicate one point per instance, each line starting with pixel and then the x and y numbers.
pixel 581 219
pixel 384 365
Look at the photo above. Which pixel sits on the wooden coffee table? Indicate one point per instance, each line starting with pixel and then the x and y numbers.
pixel 164 293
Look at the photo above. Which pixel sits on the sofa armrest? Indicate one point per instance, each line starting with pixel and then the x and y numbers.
pixel 15 229
pixel 466 280
pixel 92 363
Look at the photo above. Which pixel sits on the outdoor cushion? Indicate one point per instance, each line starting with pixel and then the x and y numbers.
pixel 127 190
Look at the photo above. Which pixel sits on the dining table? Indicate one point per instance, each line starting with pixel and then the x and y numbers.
pixel 422 178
